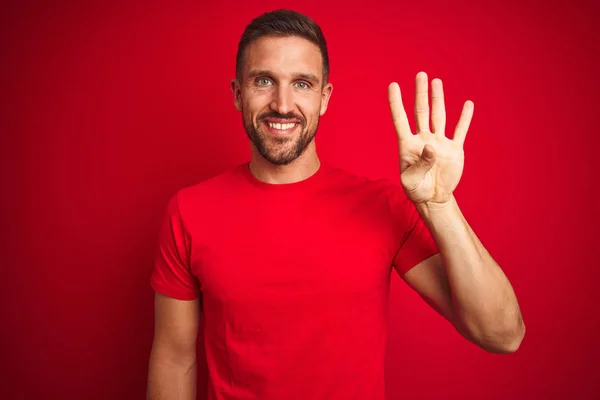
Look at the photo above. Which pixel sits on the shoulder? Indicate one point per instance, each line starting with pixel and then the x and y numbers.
pixel 361 183
pixel 381 195
pixel 208 192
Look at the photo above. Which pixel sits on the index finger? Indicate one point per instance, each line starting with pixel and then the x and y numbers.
pixel 398 113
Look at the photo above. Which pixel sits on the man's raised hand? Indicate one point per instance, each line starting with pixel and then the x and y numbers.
pixel 431 164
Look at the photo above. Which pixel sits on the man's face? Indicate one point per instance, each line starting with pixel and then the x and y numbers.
pixel 281 96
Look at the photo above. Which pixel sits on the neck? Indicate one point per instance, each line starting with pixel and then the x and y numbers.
pixel 298 170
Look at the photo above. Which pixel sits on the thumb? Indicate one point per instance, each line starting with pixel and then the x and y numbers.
pixel 426 161
pixel 416 172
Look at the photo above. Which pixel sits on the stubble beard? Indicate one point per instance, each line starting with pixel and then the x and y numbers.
pixel 282 150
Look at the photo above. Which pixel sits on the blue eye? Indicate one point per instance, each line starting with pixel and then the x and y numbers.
pixel 263 81
pixel 303 85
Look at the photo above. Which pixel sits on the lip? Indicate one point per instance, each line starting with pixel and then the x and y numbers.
pixel 280 132
pixel 281 120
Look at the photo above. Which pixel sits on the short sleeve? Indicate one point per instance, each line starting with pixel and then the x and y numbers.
pixel 414 240
pixel 172 275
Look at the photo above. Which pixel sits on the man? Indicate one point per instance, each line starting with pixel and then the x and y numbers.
pixel 292 256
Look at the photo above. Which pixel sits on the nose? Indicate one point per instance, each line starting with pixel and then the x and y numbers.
pixel 282 101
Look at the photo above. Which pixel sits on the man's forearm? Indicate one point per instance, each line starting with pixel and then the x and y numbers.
pixel 171 381
pixel 483 297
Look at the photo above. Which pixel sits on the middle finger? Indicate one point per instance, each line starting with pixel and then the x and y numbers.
pixel 421 103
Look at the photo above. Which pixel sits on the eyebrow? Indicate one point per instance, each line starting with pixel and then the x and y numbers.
pixel 299 75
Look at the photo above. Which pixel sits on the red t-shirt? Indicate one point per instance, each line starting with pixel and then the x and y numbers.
pixel 294 279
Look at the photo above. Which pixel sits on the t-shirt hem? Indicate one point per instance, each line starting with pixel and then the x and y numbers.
pixel 405 267
pixel 169 292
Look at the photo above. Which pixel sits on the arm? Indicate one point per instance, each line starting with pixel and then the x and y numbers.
pixel 463 282
pixel 172 370
pixel 465 285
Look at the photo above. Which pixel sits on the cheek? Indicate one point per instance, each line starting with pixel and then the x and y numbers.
pixel 255 105
pixel 310 107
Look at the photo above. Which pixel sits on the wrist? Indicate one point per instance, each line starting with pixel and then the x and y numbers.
pixel 429 209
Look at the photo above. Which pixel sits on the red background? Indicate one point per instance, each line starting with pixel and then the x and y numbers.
pixel 109 108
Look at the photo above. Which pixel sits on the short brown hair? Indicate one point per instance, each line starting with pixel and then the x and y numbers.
pixel 282 23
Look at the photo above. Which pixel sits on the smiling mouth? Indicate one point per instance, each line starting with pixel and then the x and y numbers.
pixel 281 128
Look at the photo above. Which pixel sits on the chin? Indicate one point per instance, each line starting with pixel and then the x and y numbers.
pixel 279 158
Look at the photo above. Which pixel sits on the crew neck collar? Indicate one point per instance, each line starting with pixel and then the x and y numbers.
pixel 306 183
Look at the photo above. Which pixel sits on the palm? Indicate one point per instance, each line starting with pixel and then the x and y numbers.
pixel 429 180
pixel 439 182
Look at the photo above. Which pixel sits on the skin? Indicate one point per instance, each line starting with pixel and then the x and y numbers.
pixel 173 370
pixel 282 77
pixel 462 283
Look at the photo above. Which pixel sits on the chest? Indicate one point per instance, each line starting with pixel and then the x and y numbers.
pixel 298 248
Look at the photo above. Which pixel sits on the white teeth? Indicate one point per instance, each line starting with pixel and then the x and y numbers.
pixel 282 127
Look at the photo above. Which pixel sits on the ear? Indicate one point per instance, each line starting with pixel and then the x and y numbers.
pixel 325 96
pixel 236 89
